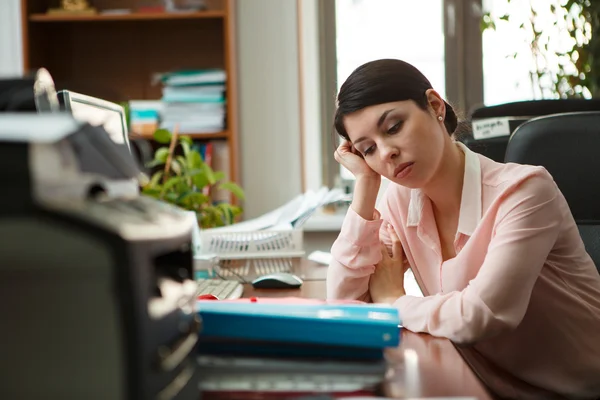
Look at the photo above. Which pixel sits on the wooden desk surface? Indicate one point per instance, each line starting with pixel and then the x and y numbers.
pixel 422 366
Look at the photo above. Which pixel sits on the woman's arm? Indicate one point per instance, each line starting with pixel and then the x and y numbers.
pixel 357 249
pixel 529 222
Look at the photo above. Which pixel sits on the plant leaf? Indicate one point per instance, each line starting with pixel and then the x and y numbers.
pixel 155 181
pixel 218 175
pixel 176 167
pixel 209 173
pixel 186 139
pixel 182 162
pixel 170 183
pixel 200 181
pixel 152 192
pixel 171 197
pixel 154 163
pixel 186 147
pixel 229 212
pixel 161 155
pixel 162 136
pixel 194 159
pixel 197 199
pixel 233 188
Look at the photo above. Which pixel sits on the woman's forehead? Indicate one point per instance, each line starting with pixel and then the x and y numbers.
pixel 364 122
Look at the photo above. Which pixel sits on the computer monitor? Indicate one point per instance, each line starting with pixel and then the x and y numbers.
pixel 97 112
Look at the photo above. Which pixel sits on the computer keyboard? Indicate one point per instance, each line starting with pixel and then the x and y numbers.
pixel 220 288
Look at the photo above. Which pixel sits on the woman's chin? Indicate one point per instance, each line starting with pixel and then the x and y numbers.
pixel 411 181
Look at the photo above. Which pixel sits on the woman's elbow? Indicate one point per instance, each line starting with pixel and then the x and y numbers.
pixel 484 325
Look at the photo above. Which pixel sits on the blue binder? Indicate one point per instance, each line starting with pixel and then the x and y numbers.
pixel 364 330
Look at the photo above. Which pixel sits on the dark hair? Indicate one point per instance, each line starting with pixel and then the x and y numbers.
pixel 385 81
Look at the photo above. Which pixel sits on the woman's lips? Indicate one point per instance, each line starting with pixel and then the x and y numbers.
pixel 403 170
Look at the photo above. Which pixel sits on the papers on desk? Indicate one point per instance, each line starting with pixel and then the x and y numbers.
pixel 291 215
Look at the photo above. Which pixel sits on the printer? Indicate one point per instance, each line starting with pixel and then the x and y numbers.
pixel 96 280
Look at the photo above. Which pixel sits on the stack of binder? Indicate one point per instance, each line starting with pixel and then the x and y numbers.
pixel 194 100
pixel 261 348
pixel 330 331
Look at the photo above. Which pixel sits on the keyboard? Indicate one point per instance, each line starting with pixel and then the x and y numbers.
pixel 220 288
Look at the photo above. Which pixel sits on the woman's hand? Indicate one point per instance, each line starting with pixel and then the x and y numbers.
pixel 387 282
pixel 353 161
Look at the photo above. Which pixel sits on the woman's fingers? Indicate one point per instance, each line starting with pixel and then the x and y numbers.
pixel 384 251
pixel 397 252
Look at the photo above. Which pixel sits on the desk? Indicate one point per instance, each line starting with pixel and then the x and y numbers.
pixel 422 366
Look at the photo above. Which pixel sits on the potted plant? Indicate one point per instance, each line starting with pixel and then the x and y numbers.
pixel 184 179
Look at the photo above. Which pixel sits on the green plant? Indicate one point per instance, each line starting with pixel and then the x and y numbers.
pixel 185 178
pixel 564 40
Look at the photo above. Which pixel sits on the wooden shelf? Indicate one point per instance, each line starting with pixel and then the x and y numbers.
pixel 126 17
pixel 113 57
pixel 196 136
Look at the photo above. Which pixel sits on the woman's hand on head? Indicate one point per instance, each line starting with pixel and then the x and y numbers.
pixel 353 161
pixel 386 284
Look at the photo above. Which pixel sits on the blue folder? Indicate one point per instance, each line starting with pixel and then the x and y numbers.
pixel 364 329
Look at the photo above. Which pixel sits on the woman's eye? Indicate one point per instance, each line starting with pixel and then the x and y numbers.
pixel 395 128
pixel 369 150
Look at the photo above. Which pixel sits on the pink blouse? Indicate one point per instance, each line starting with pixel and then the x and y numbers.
pixel 521 299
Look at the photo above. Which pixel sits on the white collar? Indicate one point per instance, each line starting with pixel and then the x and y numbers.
pixel 470 203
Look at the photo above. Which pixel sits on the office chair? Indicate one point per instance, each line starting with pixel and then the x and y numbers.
pixel 520 112
pixel 568 146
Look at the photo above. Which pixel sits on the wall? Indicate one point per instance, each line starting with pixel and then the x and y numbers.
pixel 11 61
pixel 269 120
pixel 310 95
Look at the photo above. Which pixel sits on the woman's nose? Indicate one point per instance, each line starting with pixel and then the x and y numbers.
pixel 389 152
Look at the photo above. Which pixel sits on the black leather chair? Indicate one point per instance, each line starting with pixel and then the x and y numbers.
pixel 519 112
pixel 568 146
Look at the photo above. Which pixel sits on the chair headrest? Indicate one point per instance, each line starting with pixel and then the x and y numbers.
pixel 568 146
pixel 534 108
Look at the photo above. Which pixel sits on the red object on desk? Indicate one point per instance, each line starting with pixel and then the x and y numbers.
pixel 207 297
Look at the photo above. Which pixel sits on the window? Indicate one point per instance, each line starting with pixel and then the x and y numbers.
pixel 469 65
pixel 367 30
pixel 524 38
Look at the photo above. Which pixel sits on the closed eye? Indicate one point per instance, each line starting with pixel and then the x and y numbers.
pixel 369 150
pixel 395 128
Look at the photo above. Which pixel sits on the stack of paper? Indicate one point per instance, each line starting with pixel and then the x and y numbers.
pixel 291 215
pixel 194 100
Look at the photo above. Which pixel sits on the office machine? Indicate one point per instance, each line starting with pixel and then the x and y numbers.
pixel 97 112
pixel 31 93
pixel 98 296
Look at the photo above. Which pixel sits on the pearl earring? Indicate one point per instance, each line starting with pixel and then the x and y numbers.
pixel 440 118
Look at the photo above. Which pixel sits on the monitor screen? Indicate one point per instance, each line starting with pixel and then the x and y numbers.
pixel 97 112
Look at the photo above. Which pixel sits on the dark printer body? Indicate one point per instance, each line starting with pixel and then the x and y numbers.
pixel 97 295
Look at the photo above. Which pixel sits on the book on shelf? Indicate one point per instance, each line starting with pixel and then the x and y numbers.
pixel 144 116
pixel 194 77
pixel 195 100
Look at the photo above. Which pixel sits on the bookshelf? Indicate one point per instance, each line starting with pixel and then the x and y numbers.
pixel 116 56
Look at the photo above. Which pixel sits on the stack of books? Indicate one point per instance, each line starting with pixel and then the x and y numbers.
pixel 287 347
pixel 194 100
